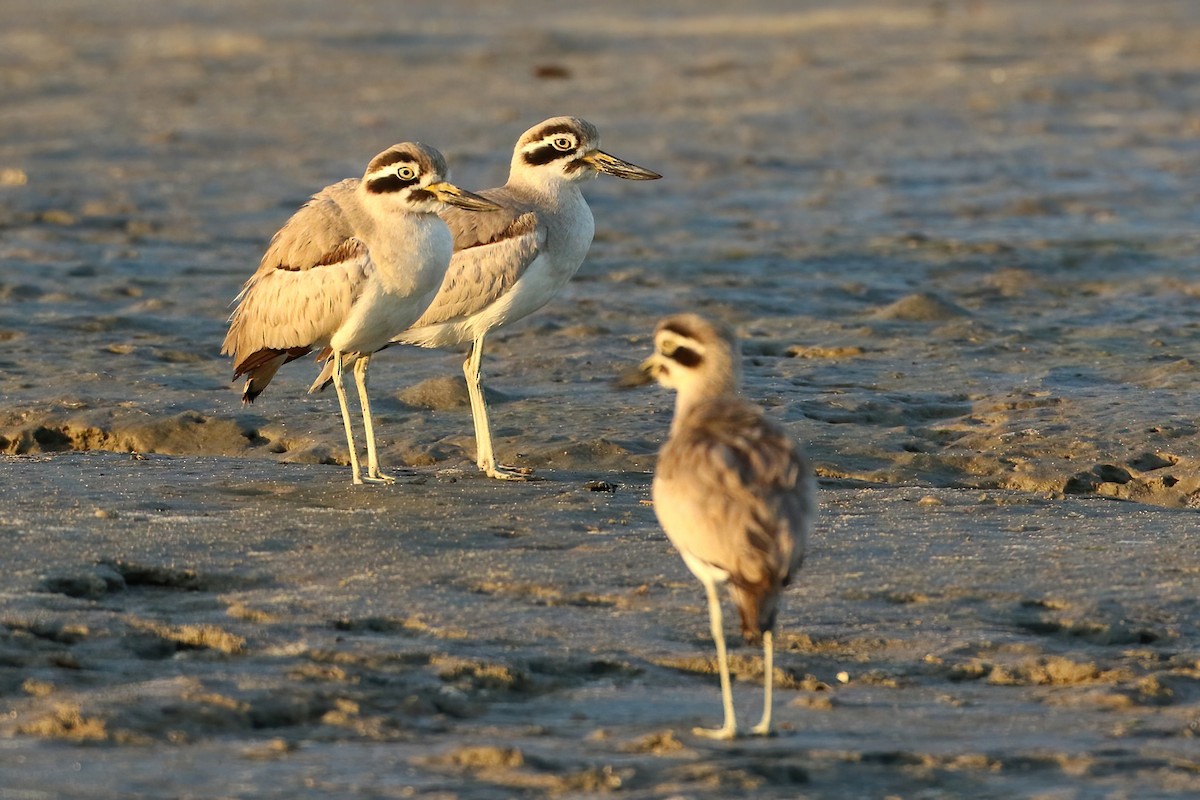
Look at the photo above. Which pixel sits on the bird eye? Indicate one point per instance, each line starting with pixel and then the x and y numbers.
pixel 406 173
pixel 563 143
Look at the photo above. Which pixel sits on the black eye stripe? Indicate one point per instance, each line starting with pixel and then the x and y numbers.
pixel 391 183
pixel 544 155
pixel 685 356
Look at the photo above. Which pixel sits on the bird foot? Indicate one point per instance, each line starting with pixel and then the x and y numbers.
pixel 379 477
pixel 504 472
pixel 762 729
pixel 726 733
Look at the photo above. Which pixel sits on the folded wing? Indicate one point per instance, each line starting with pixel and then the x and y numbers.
pixel 313 272
pixel 487 262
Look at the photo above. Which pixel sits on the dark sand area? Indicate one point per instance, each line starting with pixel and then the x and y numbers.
pixel 959 240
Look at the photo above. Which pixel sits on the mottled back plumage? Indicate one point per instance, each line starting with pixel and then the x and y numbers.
pixel 729 469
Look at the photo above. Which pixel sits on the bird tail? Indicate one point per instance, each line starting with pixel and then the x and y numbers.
pixel 758 605
pixel 261 367
pixel 259 377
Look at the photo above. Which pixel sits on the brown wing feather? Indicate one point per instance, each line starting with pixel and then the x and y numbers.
pixel 313 235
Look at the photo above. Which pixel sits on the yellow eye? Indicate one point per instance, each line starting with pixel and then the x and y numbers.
pixel 406 173
pixel 563 143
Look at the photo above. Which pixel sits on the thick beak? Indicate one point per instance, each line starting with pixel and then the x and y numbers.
pixel 449 193
pixel 636 376
pixel 612 165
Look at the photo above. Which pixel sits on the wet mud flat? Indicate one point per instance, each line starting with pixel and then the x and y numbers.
pixel 222 627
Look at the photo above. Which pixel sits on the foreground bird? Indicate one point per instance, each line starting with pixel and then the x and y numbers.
pixel 507 265
pixel 353 267
pixel 732 490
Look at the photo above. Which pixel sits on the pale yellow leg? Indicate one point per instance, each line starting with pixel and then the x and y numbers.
pixel 360 378
pixel 485 457
pixel 729 729
pixel 341 393
pixel 472 371
pixel 763 728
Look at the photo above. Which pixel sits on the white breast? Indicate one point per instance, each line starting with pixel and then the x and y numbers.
pixel 410 262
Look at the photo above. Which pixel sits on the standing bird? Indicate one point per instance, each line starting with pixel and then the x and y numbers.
pixel 732 489
pixel 509 264
pixel 355 265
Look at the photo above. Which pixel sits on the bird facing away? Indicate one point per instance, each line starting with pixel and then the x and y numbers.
pixel 732 490
pixel 508 264
pixel 357 264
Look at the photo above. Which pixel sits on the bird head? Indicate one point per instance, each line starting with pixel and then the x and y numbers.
pixel 695 357
pixel 568 149
pixel 414 178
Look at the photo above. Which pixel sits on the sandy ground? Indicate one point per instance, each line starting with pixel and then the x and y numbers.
pixel 959 240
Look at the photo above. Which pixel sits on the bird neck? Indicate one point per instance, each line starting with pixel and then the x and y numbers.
pixel 691 398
